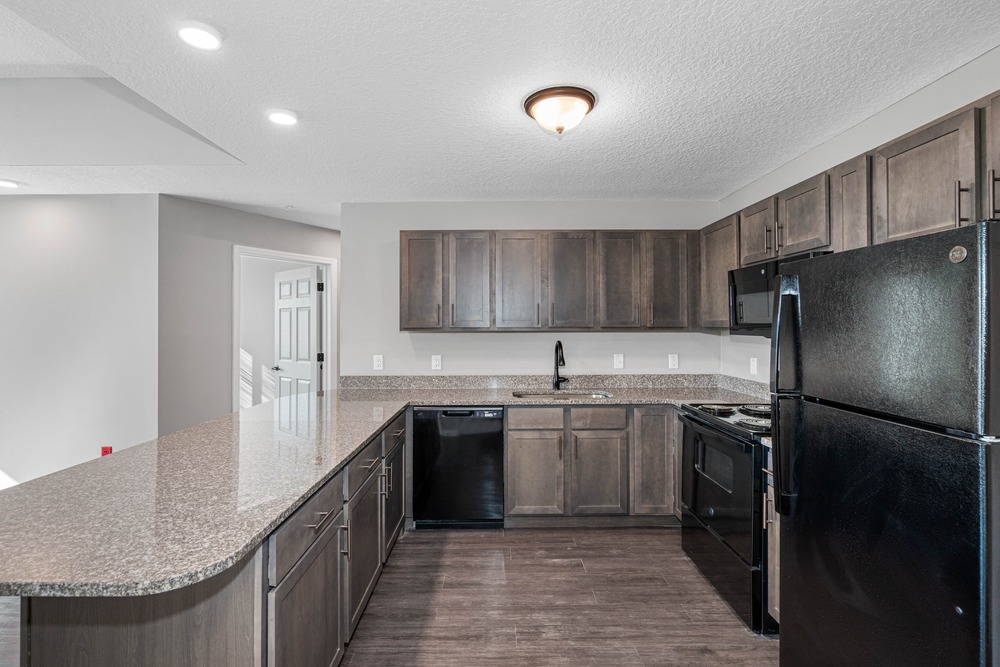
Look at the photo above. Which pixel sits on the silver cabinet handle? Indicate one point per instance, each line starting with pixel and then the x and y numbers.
pixel 347 529
pixel 439 314
pixel 552 313
pixel 399 433
pixel 324 517
pixel 767 239
pixel 388 479
pixel 559 447
pixel 382 486
pixel 372 463
pixel 650 314
pixel 958 202
pixel 452 314
pixel 991 188
pixel 778 235
pixel 538 314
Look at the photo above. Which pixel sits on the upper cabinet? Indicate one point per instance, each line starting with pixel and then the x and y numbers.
pixel 720 252
pixel 421 279
pixel 803 217
pixel 758 230
pixel 519 279
pixel 619 276
pixel 850 204
pixel 666 279
pixel 925 181
pixel 991 198
pixel 469 255
pixel 571 279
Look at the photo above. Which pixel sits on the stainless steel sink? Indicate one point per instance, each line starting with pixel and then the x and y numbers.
pixel 561 394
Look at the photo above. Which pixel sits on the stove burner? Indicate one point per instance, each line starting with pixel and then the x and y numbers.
pixel 718 410
pixel 762 410
pixel 756 425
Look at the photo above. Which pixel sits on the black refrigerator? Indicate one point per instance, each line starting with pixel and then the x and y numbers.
pixel 886 412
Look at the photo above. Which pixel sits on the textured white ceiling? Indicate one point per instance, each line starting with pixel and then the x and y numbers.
pixel 422 101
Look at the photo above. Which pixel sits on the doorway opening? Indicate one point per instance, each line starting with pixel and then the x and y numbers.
pixel 285 316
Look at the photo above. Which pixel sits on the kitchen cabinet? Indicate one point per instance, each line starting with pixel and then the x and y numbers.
pixel 421 270
pixel 803 217
pixel 363 550
pixel 720 253
pixel 850 204
pixel 991 198
pixel 666 279
pixel 393 492
pixel 654 483
pixel 519 279
pixel 619 276
pixel 535 468
pixel 572 269
pixel 925 182
pixel 469 284
pixel 598 461
pixel 304 609
pixel 758 229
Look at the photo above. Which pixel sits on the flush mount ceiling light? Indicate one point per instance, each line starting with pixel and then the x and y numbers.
pixel 200 35
pixel 4 183
pixel 282 117
pixel 559 108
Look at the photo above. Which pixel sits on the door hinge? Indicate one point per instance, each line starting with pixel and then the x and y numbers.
pixel 320 356
pixel 319 287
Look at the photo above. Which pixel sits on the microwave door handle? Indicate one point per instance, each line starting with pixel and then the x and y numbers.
pixel 733 321
pixel 785 337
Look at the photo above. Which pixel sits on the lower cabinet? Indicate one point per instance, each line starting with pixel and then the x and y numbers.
pixel 535 472
pixel 392 498
pixel 304 610
pixel 363 550
pixel 654 460
pixel 599 472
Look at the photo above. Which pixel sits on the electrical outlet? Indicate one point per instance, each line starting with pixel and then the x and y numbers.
pixel 377 362
pixel 435 362
pixel 753 365
pixel 619 361
pixel 672 361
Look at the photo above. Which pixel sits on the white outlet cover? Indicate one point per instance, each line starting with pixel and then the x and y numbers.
pixel 672 361
pixel 377 363
pixel 435 362
pixel 753 365
pixel 619 361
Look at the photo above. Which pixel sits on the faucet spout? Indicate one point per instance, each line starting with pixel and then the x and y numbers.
pixel 560 360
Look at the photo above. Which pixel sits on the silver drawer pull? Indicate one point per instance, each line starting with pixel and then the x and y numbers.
pixel 324 516
pixel 399 433
pixel 347 529
pixel 767 472
pixel 372 463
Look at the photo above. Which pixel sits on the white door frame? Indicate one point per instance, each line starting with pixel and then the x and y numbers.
pixel 330 305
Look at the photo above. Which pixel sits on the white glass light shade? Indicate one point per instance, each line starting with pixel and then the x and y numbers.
pixel 200 35
pixel 282 117
pixel 4 183
pixel 559 109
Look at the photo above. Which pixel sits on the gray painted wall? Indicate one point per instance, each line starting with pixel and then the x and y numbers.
pixel 195 299
pixel 370 294
pixel 78 295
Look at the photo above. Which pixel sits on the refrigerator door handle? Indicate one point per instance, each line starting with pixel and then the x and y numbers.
pixel 785 375
pixel 781 460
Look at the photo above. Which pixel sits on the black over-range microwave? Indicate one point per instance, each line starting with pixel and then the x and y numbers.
pixel 751 296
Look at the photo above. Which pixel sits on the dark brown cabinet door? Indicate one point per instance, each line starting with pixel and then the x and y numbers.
pixel 469 280
pixel 519 279
pixel 758 229
pixel 654 472
pixel 991 196
pixel 599 472
pixel 619 276
pixel 665 283
pixel 421 264
pixel 364 562
pixel 803 217
pixel 925 182
pixel 850 204
pixel 571 280
pixel 534 473
pixel 392 499
pixel 719 254
pixel 303 611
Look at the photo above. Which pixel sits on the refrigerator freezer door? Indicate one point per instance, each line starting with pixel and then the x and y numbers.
pixel 882 554
pixel 901 328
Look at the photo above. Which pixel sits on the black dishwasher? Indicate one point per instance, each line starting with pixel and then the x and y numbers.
pixel 458 467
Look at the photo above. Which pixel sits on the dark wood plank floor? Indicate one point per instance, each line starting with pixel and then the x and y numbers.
pixel 549 597
pixel 535 597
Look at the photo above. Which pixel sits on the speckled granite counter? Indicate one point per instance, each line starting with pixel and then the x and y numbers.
pixel 177 510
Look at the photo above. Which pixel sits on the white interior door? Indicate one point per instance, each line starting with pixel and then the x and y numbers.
pixel 296 331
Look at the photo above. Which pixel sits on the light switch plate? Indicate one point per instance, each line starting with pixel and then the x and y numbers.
pixel 377 362
pixel 435 362
pixel 619 361
pixel 753 365
pixel 672 361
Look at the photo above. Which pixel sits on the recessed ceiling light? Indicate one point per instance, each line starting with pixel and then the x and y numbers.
pixel 4 183
pixel 560 108
pixel 200 35
pixel 282 117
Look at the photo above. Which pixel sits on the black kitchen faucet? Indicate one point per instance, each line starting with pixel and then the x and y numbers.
pixel 557 379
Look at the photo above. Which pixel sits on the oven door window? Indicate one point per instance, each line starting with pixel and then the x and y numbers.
pixel 718 487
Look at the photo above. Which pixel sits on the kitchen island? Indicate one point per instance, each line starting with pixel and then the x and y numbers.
pixel 167 535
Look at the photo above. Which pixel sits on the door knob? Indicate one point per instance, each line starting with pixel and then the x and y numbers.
pixel 276 368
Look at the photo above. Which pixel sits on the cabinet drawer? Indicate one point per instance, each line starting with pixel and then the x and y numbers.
pixel 287 544
pixel 394 433
pixel 534 418
pixel 598 418
pixel 363 465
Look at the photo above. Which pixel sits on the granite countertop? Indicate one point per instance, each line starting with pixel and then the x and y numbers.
pixel 186 506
